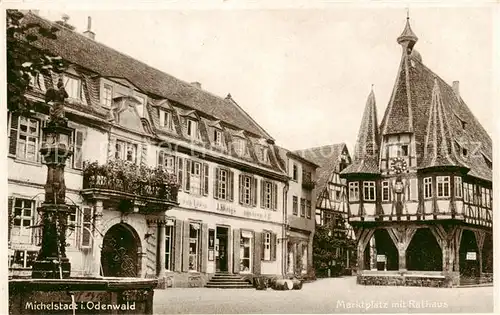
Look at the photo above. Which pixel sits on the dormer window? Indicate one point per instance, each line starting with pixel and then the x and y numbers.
pixel 166 120
pixel 239 146
pixel 107 95
pixel 262 153
pixel 217 137
pixel 192 129
pixel 73 86
pixel 464 152
pixel 140 106
pixel 36 81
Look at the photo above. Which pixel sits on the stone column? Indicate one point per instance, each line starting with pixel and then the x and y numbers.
pixel 160 272
pixel 373 254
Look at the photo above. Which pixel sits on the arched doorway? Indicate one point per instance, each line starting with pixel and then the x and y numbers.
pixel 119 254
pixel 488 253
pixel 385 247
pixel 469 255
pixel 424 252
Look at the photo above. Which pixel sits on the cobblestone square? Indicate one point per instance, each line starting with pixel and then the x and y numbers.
pixel 333 295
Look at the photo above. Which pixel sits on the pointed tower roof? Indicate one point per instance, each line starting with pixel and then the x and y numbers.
pixel 367 145
pixel 439 147
pixel 407 36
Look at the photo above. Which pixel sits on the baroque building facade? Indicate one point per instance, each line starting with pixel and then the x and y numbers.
pixel 420 185
pixel 228 213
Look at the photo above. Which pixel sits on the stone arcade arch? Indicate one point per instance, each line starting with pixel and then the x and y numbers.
pixel 120 252
pixel 385 246
pixel 469 255
pixel 424 252
pixel 488 253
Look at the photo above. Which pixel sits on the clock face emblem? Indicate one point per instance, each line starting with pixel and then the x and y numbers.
pixel 398 165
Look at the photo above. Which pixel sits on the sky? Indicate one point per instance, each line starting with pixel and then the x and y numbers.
pixel 304 74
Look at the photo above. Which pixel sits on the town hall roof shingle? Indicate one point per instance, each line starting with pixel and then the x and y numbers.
pixel 107 62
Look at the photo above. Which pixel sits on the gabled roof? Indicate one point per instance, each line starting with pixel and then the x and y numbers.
pixel 366 151
pixel 107 62
pixel 328 159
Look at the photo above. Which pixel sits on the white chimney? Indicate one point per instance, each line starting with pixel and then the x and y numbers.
pixel 196 85
pixel 88 33
pixel 456 88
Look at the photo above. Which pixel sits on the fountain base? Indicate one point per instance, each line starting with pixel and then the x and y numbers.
pixel 49 268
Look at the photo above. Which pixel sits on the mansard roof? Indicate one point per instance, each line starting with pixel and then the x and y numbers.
pixel 328 159
pixel 105 61
pixel 366 151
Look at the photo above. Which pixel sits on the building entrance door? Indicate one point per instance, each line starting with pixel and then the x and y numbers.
pixel 246 252
pixel 221 249
pixel 119 254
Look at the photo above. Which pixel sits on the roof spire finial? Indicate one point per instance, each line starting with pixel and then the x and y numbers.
pixel 407 39
pixel 407 13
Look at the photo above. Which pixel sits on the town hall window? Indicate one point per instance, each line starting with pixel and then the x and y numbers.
pixel 385 191
pixel 443 186
pixel 458 187
pixel 369 191
pixel 428 187
pixel 353 191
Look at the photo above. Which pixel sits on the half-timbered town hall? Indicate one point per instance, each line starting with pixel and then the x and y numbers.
pixel 420 185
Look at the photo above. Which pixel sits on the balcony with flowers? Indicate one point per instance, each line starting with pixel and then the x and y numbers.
pixel 307 181
pixel 130 187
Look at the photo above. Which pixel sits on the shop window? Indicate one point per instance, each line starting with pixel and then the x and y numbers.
pixel 246 252
pixel 23 259
pixel 194 240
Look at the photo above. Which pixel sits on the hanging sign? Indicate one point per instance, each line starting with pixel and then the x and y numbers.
pixel 381 258
pixel 470 256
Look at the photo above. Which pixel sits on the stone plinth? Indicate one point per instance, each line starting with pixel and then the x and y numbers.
pixel 85 295
pixel 414 278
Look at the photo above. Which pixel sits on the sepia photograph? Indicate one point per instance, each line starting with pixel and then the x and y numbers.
pixel 249 159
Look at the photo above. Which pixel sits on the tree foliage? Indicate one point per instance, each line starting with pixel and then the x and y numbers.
pixel 325 246
pixel 25 60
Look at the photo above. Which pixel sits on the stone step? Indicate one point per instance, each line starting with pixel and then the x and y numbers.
pixel 229 282
pixel 226 277
pixel 229 286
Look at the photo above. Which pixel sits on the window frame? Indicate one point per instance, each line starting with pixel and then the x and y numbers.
pixel 458 187
pixel 354 191
pixel 428 189
pixel 166 120
pixel 295 209
pixel 124 150
pixel 197 242
pixel 107 87
pixel 66 78
pixel 369 186
pixel 169 235
pixel 28 136
pixel 193 134
pixel 267 245
pixel 217 136
pixel 443 185
pixel 303 207
pixel 386 189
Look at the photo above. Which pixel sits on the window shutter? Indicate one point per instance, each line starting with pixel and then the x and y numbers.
pixel 263 245
pixel 185 247
pixel 177 251
pixel 180 172
pixel 14 125
pixel 413 189
pixel 10 211
pixel 187 179
pixel 240 185
pixel 216 183
pixel 254 191
pixel 204 247
pixel 257 253
pixel 40 158
pixel 161 158
pixel 275 196
pixel 206 174
pixel 230 185
pixel 78 150
pixel 262 194
pixel 236 250
pixel 273 246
